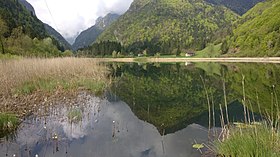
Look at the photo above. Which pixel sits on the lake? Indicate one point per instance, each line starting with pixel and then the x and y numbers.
pixel 150 110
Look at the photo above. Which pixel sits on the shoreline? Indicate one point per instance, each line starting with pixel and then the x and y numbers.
pixel 180 60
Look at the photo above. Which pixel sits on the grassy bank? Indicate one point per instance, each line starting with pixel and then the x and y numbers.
pixel 261 140
pixel 26 84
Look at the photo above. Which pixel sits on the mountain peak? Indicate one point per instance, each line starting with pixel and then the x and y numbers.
pixel 88 36
pixel 103 22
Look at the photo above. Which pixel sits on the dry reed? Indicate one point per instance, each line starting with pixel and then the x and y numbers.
pixel 16 72
pixel 77 73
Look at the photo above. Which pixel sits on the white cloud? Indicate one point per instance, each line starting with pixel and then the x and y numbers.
pixel 70 17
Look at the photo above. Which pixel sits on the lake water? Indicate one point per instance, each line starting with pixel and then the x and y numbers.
pixel 151 110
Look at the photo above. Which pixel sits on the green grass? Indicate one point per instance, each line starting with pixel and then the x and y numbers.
pixel 251 141
pixel 210 51
pixel 75 115
pixel 141 59
pixel 52 84
pixel 9 56
pixel 8 122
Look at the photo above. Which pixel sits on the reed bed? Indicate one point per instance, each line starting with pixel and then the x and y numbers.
pixel 251 138
pixel 15 73
pixel 28 83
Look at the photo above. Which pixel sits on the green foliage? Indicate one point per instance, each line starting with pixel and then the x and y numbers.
pixel 258 141
pixel 169 96
pixel 75 115
pixel 8 123
pixel 52 84
pixel 114 54
pixel 210 51
pixel 101 49
pixel 16 15
pixel 67 53
pixel 21 33
pixel 59 40
pixel 257 33
pixel 87 37
pixel 238 6
pixel 22 45
pixel 163 26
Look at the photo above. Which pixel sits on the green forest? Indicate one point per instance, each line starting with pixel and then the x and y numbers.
pixel 257 33
pixel 169 25
pixel 207 28
pixel 23 34
pixel 174 94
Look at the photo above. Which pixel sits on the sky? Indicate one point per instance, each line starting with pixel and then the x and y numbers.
pixel 70 17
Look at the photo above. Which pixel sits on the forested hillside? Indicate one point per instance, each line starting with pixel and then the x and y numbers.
pixel 61 42
pixel 15 15
pixel 238 6
pixel 169 26
pixel 257 33
pixel 88 36
pixel 22 33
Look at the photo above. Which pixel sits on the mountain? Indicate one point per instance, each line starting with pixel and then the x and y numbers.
pixel 167 25
pixel 257 33
pixel 28 6
pixel 23 34
pixel 63 44
pixel 88 36
pixel 238 6
pixel 15 15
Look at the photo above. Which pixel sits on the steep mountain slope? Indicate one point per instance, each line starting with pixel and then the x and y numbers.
pixel 257 33
pixel 170 24
pixel 22 33
pixel 28 6
pixel 15 15
pixel 63 44
pixel 238 6
pixel 88 36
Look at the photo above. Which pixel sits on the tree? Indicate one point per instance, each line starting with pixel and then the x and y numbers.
pixel 3 30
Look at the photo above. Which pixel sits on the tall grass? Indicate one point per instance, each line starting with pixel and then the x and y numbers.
pixel 28 75
pixel 8 123
pixel 251 138
pixel 27 84
pixel 251 141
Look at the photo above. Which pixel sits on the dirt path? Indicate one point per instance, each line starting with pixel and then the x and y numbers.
pixel 166 60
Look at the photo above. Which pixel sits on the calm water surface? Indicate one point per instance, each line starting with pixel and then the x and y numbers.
pixel 151 110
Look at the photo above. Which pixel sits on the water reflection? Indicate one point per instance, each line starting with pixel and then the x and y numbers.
pixel 151 110
pixel 172 96
pixel 108 128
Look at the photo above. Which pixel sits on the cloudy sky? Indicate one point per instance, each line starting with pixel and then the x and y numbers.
pixel 70 17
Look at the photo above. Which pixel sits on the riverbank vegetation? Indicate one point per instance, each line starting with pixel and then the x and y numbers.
pixel 252 137
pixel 8 123
pixel 251 140
pixel 28 83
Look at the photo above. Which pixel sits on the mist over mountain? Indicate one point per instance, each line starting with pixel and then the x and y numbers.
pixel 89 36
pixel 58 37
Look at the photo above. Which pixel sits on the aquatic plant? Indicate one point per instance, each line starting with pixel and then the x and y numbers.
pixel 252 140
pixel 8 123
pixel 75 115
